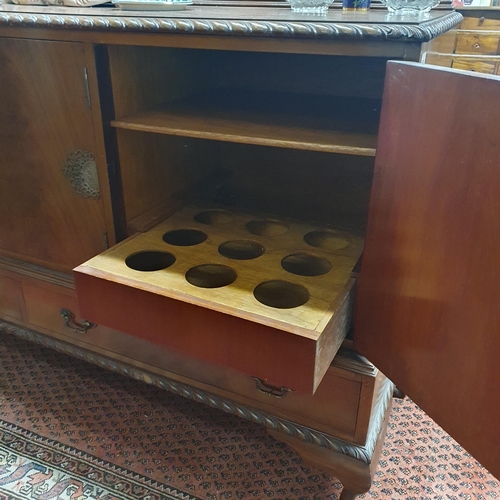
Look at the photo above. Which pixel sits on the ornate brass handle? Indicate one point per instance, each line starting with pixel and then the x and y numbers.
pixel 270 390
pixel 69 318
pixel 81 170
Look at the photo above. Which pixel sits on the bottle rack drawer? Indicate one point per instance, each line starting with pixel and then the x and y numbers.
pixel 269 297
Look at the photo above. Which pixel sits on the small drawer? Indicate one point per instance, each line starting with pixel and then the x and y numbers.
pixel 332 409
pixel 474 43
pixel 474 65
pixel 480 23
pixel 267 297
pixel 43 307
pixel 11 299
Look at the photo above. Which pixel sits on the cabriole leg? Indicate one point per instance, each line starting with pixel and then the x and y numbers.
pixel 354 474
pixel 348 494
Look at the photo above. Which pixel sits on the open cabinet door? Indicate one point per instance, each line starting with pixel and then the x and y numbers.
pixel 428 309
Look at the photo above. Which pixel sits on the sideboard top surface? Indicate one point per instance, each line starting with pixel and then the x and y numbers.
pixel 376 25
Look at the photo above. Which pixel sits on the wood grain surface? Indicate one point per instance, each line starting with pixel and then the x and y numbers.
pixel 11 299
pixel 483 65
pixel 428 310
pixel 347 126
pixel 339 251
pixel 333 408
pixel 45 116
pixel 477 43
pixel 291 345
pixel 482 22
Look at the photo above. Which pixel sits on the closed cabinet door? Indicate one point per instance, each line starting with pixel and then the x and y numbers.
pixel 428 310
pixel 51 212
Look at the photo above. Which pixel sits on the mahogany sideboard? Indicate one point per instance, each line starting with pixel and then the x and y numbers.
pixel 126 134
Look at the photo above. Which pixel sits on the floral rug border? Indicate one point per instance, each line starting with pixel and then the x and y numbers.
pixel 35 467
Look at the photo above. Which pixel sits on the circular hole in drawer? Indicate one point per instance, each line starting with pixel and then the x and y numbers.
pixel 267 227
pixel 213 217
pixel 184 237
pixel 241 249
pixel 211 276
pixel 305 264
pixel 149 260
pixel 281 294
pixel 328 240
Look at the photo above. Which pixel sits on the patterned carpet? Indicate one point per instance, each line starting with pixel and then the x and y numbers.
pixel 70 430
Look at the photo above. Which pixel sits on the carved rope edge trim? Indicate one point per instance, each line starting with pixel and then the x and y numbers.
pixel 391 32
pixel 287 427
pixel 382 401
pixel 37 272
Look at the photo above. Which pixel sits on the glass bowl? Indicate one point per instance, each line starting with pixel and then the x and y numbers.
pixel 310 6
pixel 410 6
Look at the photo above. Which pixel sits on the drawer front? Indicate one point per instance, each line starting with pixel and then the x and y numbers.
pixel 333 409
pixel 474 65
pixel 480 23
pixel 444 60
pixel 11 299
pixel 164 286
pixel 279 358
pixel 474 43
pixel 43 310
pixel 44 307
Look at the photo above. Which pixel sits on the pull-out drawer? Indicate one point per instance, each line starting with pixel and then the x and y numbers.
pixel 480 65
pixel 270 298
pixel 477 43
pixel 479 23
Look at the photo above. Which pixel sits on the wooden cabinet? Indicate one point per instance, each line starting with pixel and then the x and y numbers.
pixel 49 190
pixel 475 46
pixel 273 163
pixel 10 299
pixel 238 163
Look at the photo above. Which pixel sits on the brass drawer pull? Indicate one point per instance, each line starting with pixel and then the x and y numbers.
pixel 69 318
pixel 270 390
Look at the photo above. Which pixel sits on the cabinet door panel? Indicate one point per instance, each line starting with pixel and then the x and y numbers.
pixel 428 311
pixel 44 116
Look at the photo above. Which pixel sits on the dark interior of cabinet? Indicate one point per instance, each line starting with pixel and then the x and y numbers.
pixel 283 134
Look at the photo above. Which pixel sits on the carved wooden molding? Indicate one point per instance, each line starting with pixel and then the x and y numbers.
pixel 37 272
pixel 354 362
pixel 422 32
pixel 382 401
pixel 362 453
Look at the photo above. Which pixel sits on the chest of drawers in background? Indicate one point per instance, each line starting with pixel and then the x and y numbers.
pixel 474 45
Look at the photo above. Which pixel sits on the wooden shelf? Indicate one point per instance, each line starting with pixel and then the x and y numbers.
pixel 314 123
